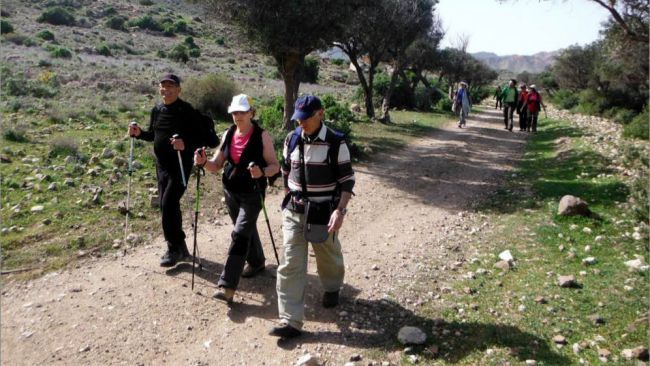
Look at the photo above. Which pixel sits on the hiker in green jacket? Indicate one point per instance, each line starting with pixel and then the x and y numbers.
pixel 509 97
pixel 497 96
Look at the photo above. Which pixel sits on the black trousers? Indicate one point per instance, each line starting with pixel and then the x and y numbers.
pixel 498 104
pixel 508 111
pixel 523 119
pixel 244 209
pixel 532 121
pixel 170 191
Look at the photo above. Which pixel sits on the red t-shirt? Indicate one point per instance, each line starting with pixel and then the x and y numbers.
pixel 238 143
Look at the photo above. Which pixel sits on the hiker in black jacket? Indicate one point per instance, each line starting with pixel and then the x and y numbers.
pixel 172 117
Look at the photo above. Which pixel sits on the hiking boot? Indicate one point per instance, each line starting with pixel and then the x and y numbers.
pixel 185 254
pixel 285 331
pixel 330 299
pixel 250 271
pixel 170 258
pixel 225 294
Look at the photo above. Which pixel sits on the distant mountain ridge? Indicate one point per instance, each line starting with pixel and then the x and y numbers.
pixel 517 63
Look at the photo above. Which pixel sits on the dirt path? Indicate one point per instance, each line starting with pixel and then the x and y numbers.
pixel 128 310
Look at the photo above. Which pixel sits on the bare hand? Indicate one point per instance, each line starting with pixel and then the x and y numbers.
pixel 336 221
pixel 256 171
pixel 134 130
pixel 177 143
pixel 200 158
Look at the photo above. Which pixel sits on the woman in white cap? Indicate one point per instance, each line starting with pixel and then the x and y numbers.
pixel 247 156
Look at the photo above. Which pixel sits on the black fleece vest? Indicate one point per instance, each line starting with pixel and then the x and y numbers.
pixel 236 177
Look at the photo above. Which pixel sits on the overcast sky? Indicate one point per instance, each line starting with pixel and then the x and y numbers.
pixel 521 27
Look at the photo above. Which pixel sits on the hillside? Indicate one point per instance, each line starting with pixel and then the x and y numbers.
pixel 517 63
pixel 69 91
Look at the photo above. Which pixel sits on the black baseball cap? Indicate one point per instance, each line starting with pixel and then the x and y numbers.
pixel 171 77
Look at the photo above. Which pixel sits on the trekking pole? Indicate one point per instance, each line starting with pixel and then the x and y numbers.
pixel 266 216
pixel 128 189
pixel 180 163
pixel 199 171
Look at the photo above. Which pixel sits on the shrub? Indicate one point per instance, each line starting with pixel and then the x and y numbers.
pixel 6 27
pixel 565 99
pixel 116 22
pixel 271 117
pixel 103 50
pixel 145 22
pixel 220 41
pixel 444 105
pixel 44 63
pixel 63 146
pixel 338 115
pixel 178 53
pixel 621 115
pixel 309 73
pixel 15 38
pixel 46 35
pixel 195 52
pixel 338 61
pixel 180 26
pixel 60 52
pixel 15 133
pixel 210 94
pixel 146 2
pixel 57 16
pixel 638 127
pixel 189 42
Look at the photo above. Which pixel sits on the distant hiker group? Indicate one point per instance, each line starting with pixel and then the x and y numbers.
pixel 527 103
pixel 318 182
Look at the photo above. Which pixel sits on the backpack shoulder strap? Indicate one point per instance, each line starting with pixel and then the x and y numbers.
pixel 293 142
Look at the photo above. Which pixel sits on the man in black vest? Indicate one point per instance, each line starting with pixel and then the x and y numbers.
pixel 173 117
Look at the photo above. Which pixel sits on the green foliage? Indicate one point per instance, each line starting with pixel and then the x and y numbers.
pixel 220 41
pixel 57 16
pixel 309 72
pixel 638 127
pixel 14 134
pixel 60 52
pixel 179 53
pixel 146 2
pixel 104 50
pixel 17 84
pixel 45 35
pixel 591 102
pixel 6 27
pixel 444 105
pixel 180 26
pixel 338 61
pixel 189 42
pixel 63 146
pixel 146 22
pixel 195 52
pixel 565 99
pixel 210 94
pixel 116 22
pixel 271 116
pixel 338 115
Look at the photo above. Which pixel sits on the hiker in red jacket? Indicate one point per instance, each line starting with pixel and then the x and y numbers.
pixel 521 108
pixel 534 103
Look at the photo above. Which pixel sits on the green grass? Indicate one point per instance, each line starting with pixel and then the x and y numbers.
pixel 541 241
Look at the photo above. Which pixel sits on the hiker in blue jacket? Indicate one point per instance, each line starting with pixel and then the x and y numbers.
pixel 462 104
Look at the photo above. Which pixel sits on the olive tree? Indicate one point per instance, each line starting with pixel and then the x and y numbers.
pixel 286 30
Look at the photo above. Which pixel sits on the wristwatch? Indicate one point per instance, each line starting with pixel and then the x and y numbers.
pixel 343 210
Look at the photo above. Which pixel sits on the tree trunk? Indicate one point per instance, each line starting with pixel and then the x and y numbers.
pixel 366 85
pixel 289 66
pixel 385 106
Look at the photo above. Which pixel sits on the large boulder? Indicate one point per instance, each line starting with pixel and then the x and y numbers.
pixel 573 206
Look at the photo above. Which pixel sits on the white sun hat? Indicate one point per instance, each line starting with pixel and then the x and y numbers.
pixel 240 103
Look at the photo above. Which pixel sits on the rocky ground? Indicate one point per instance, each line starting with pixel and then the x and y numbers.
pixel 406 221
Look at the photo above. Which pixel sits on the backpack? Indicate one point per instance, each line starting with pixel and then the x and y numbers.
pixel 206 123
